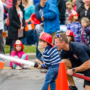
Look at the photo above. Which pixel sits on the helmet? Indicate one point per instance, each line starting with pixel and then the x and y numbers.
pixel 34 19
pixel 47 38
pixel 18 42
pixel 70 33
pixel 73 14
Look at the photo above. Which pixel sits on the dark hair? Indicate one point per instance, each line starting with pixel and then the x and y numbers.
pixel 43 41
pixel 72 39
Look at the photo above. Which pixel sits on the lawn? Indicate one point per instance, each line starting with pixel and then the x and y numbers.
pixel 27 49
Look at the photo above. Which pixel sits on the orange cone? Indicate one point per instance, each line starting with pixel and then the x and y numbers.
pixel 1 65
pixel 49 87
pixel 61 82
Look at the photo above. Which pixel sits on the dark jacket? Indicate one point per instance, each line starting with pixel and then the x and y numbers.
pixel 62 9
pixel 83 12
pixel 14 22
pixel 79 3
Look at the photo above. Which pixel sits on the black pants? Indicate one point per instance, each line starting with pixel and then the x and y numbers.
pixel 1 43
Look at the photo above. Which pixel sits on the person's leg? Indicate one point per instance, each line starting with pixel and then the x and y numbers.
pixel 49 77
pixel 53 83
pixel 11 45
pixel 53 34
pixel 1 43
pixel 68 66
pixel 23 56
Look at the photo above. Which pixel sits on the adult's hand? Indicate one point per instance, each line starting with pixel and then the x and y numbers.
pixel 28 20
pixel 22 28
pixel 70 72
pixel 42 18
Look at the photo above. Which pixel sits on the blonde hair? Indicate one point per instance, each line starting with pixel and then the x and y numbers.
pixel 68 3
pixel 86 20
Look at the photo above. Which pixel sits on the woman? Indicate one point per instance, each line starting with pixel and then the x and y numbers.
pixel 84 10
pixel 29 10
pixel 17 23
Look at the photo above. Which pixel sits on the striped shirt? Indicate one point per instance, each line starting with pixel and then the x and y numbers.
pixel 51 57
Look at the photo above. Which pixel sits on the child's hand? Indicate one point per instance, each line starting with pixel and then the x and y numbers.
pixel 39 67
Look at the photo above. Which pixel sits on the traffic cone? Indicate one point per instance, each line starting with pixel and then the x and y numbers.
pixel 61 82
pixel 49 87
pixel 1 65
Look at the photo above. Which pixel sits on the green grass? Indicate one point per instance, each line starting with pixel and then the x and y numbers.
pixel 27 49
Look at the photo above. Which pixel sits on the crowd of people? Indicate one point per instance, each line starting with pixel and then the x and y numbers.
pixel 71 47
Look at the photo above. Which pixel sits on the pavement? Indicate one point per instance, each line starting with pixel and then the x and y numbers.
pixel 25 79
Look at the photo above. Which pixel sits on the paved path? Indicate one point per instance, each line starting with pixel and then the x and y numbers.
pixel 25 79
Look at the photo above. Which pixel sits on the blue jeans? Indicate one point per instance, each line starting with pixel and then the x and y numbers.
pixel 50 78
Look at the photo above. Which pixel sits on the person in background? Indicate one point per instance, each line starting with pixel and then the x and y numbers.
pixel 74 25
pixel 68 12
pixel 5 14
pixel 1 27
pixel 9 3
pixel 29 10
pixel 85 31
pixel 16 28
pixel 70 35
pixel 61 8
pixel 74 4
pixel 79 3
pixel 18 53
pixel 36 1
pixel 84 10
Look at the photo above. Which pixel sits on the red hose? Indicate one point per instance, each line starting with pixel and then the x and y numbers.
pixel 81 76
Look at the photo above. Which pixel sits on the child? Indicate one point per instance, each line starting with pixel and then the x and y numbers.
pixel 85 31
pixel 18 53
pixel 74 25
pixel 70 35
pixel 51 60
pixel 68 12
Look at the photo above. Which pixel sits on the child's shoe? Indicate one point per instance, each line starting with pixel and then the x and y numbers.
pixel 18 67
pixel 43 70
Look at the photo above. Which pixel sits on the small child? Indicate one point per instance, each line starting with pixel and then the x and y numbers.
pixel 74 25
pixel 70 35
pixel 85 31
pixel 18 53
pixel 68 12
pixel 51 60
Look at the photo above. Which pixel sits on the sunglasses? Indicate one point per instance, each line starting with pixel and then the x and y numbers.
pixel 59 37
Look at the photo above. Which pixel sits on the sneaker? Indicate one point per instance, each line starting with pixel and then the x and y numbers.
pixel 43 70
pixel 26 66
pixel 18 67
pixel 73 88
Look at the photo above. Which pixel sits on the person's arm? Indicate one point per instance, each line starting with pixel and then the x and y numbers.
pixel 12 21
pixel 37 12
pixel 83 56
pixel 50 15
pixel 85 66
pixel 62 9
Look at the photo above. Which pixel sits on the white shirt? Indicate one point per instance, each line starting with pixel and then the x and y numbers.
pixel 1 15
